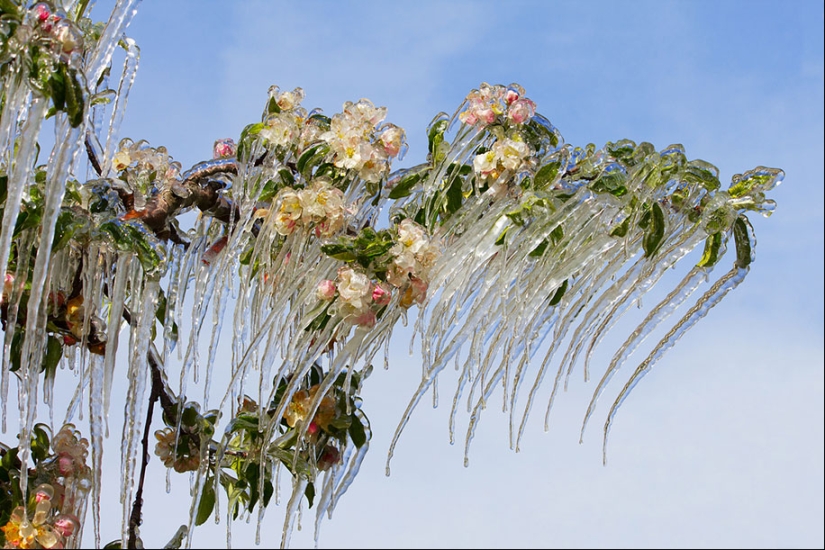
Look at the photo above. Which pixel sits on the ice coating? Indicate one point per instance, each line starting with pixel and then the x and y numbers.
pixel 512 245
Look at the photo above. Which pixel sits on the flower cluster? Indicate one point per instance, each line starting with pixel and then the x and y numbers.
pixel 62 34
pixel 488 103
pixel 358 299
pixel 144 168
pixel 357 142
pixel 413 256
pixel 43 527
pixel 506 157
pixel 179 444
pixel 179 453
pixel 71 451
pixel 298 409
pixel 320 206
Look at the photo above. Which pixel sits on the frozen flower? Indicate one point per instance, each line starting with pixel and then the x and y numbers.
pixel 280 129
pixel 416 293
pixel 354 289
pixel 71 451
pixel 67 35
pixel 35 533
pixel 223 148
pixel 392 138
pixel 413 256
pixel 183 457
pixel 298 409
pixel 325 290
pixel 486 165
pixel 521 111
pixel 121 160
pixel 375 165
pixel 289 211
pixel 506 155
pixel 287 101
pixel 364 110
pixel 510 96
pixel 511 153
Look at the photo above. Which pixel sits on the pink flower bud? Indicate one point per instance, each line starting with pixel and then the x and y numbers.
pixel 328 458
pixel 65 524
pixel 42 12
pixel 521 111
pixel 325 290
pixel 366 319
pixel 313 428
pixel 511 96
pixel 65 465
pixel 381 296
pixel 223 148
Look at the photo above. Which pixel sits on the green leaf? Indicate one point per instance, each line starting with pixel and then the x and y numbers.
pixel 311 157
pixel 357 432
pixel 622 151
pixel 655 231
pixel 74 97
pixel 559 293
pixel 341 252
pixel 207 502
pixel 742 233
pixel 436 135
pixel 501 238
pixel 16 350
pixel 57 86
pixel 621 229
pixel 69 222
pixel 309 492
pixel 454 195
pixel 248 135
pixel 54 351
pixel 610 182
pixel 405 185
pixel 39 443
pixel 546 175
pixel 711 255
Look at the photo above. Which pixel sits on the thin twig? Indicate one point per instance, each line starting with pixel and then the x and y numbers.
pixel 135 518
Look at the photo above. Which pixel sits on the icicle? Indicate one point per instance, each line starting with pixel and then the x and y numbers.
pixel 298 486
pixel 708 300
pixel 658 314
pixel 119 19
pixel 138 376
pixel 130 67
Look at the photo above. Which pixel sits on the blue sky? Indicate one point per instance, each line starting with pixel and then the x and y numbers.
pixel 722 445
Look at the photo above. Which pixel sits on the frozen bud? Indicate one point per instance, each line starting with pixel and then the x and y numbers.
pixel 68 36
pixel 41 12
pixel 392 139
pixel 223 148
pixel 43 492
pixel 65 524
pixel 325 290
pixel 65 465
pixel 328 458
pixel 366 319
pixel 521 111
pixel 510 96
pixel 380 295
